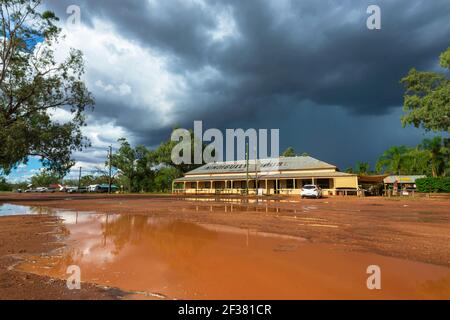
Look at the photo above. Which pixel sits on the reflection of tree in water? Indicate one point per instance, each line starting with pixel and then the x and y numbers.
pixel 174 242
pixel 172 239
pixel 42 211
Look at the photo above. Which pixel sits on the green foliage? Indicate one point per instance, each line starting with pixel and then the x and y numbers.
pixel 441 184
pixel 88 180
pixel 143 170
pixel 362 168
pixel 19 185
pixel 416 161
pixel 427 98
pixel 137 167
pixel 163 155
pixel 445 59
pixel 164 178
pixel 349 170
pixel 289 152
pixel 431 157
pixel 33 84
pixel 438 154
pixel 44 179
pixel 393 160
pixel 4 185
pixel 129 161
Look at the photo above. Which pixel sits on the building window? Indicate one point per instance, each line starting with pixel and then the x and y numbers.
pixel 290 184
pixel 306 182
pixel 323 183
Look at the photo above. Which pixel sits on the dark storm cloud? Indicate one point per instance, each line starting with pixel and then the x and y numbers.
pixel 316 53
pixel 286 54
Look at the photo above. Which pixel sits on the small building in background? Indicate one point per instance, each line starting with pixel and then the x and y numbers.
pixel 399 184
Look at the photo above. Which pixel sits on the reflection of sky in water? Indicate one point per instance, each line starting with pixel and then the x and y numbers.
pixel 15 210
pixel 73 217
pixel 87 230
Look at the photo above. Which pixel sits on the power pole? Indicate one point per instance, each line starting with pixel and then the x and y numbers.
pixel 247 164
pixel 110 169
pixel 256 171
pixel 256 177
pixel 79 179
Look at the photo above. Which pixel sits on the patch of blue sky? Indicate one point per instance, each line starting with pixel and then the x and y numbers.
pixel 31 41
pixel 24 171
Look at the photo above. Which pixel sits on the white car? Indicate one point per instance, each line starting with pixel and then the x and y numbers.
pixel 93 188
pixel 311 191
pixel 71 189
pixel 41 189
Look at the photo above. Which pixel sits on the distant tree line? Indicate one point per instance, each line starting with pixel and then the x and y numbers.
pixel 143 170
pixel 136 169
pixel 430 158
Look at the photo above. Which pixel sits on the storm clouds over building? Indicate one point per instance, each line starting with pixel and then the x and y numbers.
pixel 310 68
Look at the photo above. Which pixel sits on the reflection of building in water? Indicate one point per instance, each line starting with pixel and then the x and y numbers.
pixel 284 175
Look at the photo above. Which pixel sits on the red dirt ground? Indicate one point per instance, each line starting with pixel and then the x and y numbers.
pixel 29 235
pixel 414 229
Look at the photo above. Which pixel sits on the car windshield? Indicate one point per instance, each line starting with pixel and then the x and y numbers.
pixel 309 187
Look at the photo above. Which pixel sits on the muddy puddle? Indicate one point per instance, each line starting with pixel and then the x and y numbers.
pixel 16 210
pixel 242 205
pixel 155 258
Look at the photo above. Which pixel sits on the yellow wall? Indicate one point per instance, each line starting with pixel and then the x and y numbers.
pixel 346 182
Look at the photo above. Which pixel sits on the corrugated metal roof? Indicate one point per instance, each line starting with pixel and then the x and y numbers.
pixel 214 178
pixel 267 176
pixel 271 164
pixel 402 179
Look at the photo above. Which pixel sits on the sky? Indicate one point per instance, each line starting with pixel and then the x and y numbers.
pixel 310 68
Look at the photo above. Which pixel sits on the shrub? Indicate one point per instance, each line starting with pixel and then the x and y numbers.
pixel 4 185
pixel 441 184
